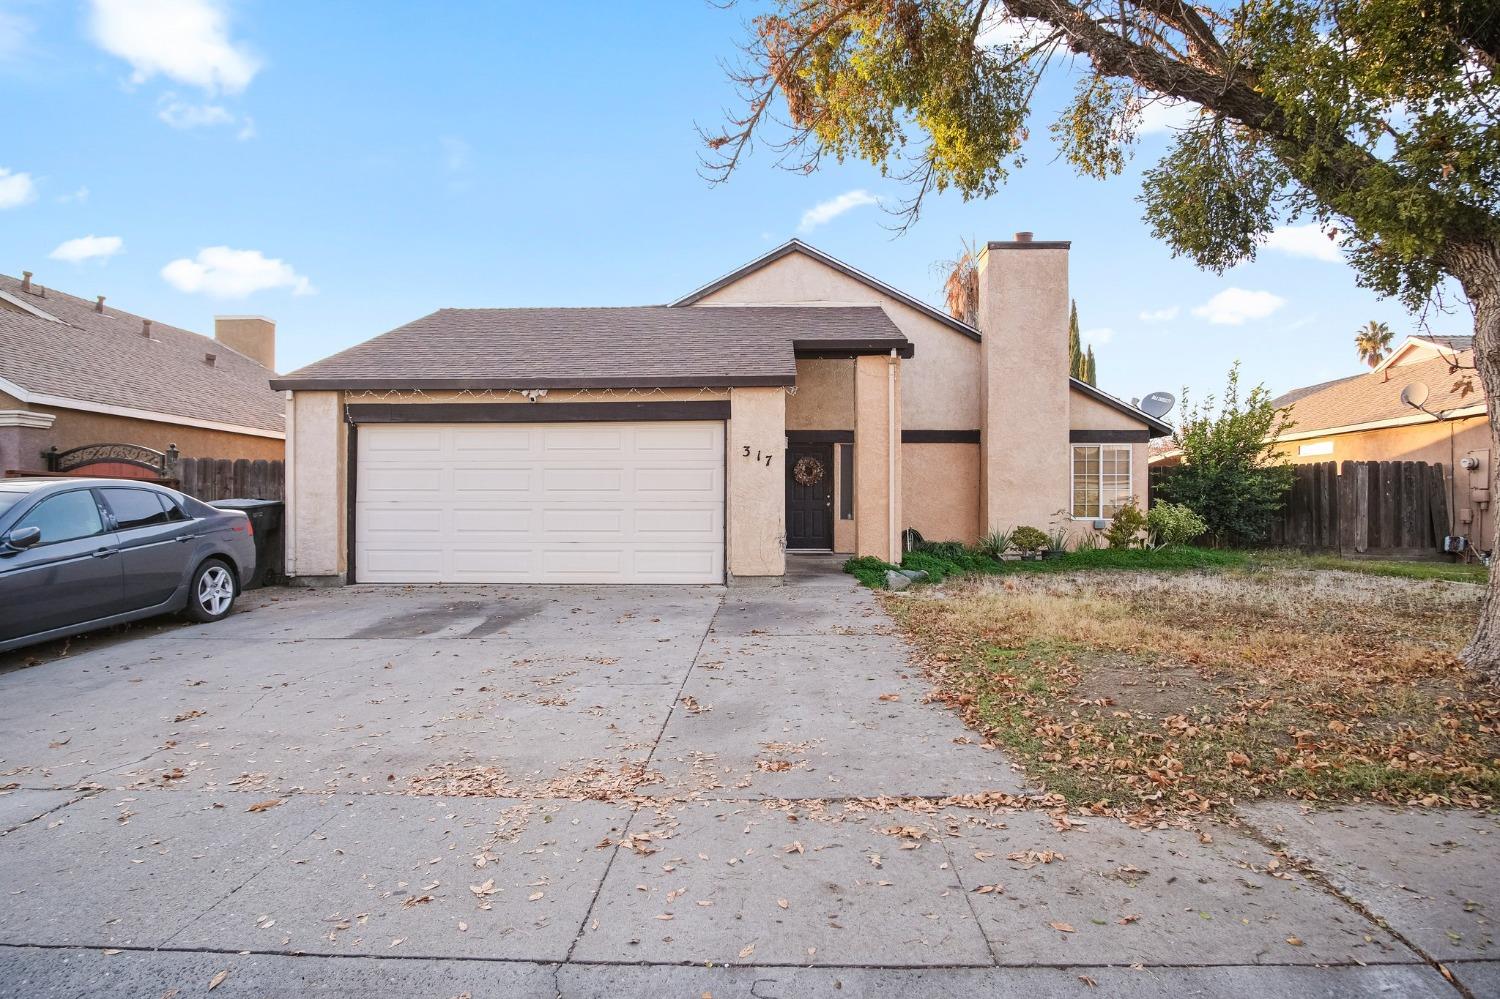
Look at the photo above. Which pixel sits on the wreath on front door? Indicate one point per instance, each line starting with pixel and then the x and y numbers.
pixel 808 471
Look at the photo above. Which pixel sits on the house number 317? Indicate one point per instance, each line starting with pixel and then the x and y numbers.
pixel 759 457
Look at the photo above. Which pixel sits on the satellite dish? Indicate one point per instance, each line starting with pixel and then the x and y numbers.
pixel 1415 395
pixel 1158 404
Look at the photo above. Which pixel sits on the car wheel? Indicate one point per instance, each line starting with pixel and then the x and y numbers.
pixel 212 593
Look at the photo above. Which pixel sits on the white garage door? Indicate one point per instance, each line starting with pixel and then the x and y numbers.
pixel 540 503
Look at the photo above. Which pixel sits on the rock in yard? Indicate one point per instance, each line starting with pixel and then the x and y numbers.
pixel 895 580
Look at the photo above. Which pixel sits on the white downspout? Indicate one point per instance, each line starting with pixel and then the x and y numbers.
pixel 289 490
pixel 893 441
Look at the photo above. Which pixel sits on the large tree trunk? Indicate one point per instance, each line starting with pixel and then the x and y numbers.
pixel 1477 267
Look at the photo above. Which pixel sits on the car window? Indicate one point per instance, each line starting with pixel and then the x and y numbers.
pixel 134 507
pixel 10 497
pixel 174 512
pixel 65 517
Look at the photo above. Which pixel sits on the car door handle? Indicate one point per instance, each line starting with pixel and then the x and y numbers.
pixel 104 553
pixel 187 537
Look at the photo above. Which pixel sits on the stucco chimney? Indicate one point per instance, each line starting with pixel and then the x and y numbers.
pixel 1023 316
pixel 253 336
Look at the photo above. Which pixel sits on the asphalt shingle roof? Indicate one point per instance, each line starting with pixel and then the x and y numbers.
pixel 104 358
pixel 1376 395
pixel 645 346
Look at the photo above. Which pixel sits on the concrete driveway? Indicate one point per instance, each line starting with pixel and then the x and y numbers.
pixel 611 791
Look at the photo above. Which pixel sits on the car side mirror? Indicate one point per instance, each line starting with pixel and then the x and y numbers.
pixel 23 537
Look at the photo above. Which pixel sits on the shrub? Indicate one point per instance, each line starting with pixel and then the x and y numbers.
pixel 1058 540
pixel 869 570
pixel 943 549
pixel 996 543
pixel 1088 541
pixel 1028 540
pixel 1174 524
pixel 1125 525
pixel 1231 473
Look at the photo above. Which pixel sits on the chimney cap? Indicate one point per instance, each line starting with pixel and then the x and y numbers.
pixel 1027 241
pixel 1024 236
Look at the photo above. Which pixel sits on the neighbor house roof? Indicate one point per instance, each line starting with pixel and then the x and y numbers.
pixel 58 351
pixel 642 346
pixel 1374 398
pixel 797 246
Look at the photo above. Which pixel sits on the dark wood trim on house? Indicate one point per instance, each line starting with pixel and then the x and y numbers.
pixel 846 482
pixel 459 384
pixel 851 348
pixel 1109 436
pixel 939 437
pixel 541 412
pixel 351 486
pixel 820 437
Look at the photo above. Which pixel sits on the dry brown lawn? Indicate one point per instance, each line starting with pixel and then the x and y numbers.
pixel 1187 691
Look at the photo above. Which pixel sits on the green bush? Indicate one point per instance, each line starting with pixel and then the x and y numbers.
pixel 943 549
pixel 1058 540
pixel 996 543
pixel 1126 524
pixel 869 570
pixel 1028 540
pixel 1174 524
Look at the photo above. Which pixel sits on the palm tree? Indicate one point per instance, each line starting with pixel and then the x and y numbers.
pixel 1373 342
pixel 961 284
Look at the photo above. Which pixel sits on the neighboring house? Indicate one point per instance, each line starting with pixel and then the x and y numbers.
pixel 793 404
pixel 75 372
pixel 1362 418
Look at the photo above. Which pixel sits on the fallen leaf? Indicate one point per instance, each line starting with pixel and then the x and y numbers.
pixel 747 950
pixel 1062 927
pixel 111 951
pixel 218 979
pixel 890 697
pixel 988 889
pixel 1294 941
pixel 265 806
pixel 783 903
pixel 534 896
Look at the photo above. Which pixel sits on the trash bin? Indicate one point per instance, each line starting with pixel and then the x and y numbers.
pixel 265 517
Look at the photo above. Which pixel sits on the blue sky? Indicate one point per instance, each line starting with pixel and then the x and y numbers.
pixel 346 167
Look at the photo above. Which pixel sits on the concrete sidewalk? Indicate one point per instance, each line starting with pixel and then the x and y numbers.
pixel 542 791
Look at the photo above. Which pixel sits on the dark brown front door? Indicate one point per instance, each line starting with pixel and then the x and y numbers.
pixel 809 496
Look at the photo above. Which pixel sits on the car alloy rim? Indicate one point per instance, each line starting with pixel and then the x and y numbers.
pixel 215 590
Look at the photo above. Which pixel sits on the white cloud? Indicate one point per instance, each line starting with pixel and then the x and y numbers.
pixel 181 114
pixel 1160 315
pixel 16 189
pixel 89 247
pixel 247 129
pixel 222 272
pixel 1304 241
pixel 826 211
pixel 1162 115
pixel 79 196
pixel 1232 306
pixel 184 40
pixel 1097 337
pixel 15 33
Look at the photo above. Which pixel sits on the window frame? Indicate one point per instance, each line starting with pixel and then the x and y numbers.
pixel 161 503
pixel 1129 450
pixel 105 522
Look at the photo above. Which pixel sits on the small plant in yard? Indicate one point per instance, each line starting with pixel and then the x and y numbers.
pixel 1126 525
pixel 1174 524
pixel 1088 541
pixel 1059 541
pixel 996 543
pixel 1029 541
pixel 869 570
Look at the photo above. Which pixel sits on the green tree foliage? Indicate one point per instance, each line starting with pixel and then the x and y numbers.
pixel 1090 373
pixel 1174 524
pixel 1376 120
pixel 1373 342
pixel 1075 347
pixel 1125 526
pixel 1231 474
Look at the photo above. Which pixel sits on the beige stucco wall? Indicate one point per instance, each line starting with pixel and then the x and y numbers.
pixel 75 428
pixel 940 382
pixel 843 530
pixel 1025 461
pixel 824 398
pixel 316 486
pixel 1448 443
pixel 940 490
pixel 755 493
pixel 873 387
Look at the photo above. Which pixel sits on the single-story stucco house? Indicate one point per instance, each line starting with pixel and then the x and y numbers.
pixel 795 404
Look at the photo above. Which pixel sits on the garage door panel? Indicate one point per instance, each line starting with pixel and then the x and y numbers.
pixel 543 503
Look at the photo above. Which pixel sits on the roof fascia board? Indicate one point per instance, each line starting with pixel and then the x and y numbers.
pixel 30 309
pixel 1441 416
pixel 1099 395
pixel 459 384
pixel 58 402
pixel 797 246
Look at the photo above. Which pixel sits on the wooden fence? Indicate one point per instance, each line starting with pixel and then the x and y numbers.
pixel 211 479
pixel 1362 509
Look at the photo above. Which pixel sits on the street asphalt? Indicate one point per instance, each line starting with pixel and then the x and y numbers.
pixel 685 791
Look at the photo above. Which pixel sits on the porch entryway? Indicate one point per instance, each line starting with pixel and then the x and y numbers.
pixel 809 497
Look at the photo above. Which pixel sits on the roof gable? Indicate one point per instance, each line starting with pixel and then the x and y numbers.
pixel 812 252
